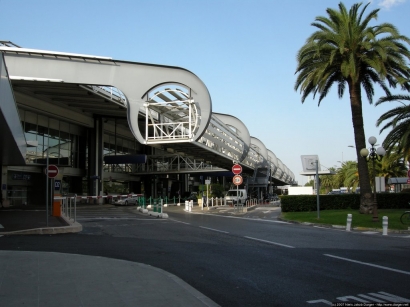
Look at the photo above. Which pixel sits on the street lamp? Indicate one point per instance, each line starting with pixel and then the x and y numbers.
pixel 374 154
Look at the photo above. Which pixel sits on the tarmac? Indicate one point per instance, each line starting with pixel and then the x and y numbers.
pixel 56 279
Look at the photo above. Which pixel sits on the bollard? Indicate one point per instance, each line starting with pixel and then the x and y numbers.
pixel 190 205
pixel 186 205
pixel 349 222
pixel 385 224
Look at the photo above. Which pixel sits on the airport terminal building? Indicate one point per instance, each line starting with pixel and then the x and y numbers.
pixel 114 126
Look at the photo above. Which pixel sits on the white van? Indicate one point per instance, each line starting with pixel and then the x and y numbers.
pixel 234 195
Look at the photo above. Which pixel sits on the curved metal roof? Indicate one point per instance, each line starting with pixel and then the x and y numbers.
pixel 172 102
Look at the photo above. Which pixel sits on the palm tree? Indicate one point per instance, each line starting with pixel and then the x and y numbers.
pixel 327 182
pixel 398 119
pixel 349 175
pixel 346 51
pixel 392 165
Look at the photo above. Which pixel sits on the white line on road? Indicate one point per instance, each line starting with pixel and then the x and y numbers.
pixel 179 222
pixel 244 218
pixel 369 264
pixel 213 229
pixel 270 242
pixel 84 218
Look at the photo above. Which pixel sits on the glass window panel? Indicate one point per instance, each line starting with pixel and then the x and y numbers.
pixel 64 127
pixel 30 117
pixel 64 137
pixel 42 121
pixel 54 124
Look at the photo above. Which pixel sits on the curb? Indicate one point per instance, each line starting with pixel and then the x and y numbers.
pixel 392 231
pixel 157 214
pixel 152 213
pixel 73 228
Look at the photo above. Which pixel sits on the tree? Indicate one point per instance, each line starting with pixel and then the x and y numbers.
pixel 311 183
pixel 392 165
pixel 398 119
pixel 351 175
pixel 328 182
pixel 346 51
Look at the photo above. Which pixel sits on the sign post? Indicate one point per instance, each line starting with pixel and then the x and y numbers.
pixel 236 169
pixel 207 182
pixel 237 180
pixel 52 171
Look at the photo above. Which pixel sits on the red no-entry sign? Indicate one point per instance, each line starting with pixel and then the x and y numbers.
pixel 52 171
pixel 236 169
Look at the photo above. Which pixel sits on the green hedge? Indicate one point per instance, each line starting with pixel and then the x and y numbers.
pixel 293 203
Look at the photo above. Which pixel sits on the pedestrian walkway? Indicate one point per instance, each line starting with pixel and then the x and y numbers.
pixel 54 279
pixel 34 220
pixel 226 210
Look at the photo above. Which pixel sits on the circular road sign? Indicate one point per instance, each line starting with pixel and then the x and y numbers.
pixel 52 171
pixel 236 169
pixel 237 180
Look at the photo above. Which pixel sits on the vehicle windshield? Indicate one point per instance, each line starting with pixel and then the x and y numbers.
pixel 231 193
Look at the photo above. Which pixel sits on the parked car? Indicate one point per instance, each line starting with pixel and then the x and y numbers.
pixel 130 200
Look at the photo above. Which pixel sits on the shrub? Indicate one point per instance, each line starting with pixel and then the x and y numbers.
pixel 294 203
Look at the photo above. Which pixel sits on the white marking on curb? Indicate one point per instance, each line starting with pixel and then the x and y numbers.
pixel 213 229
pixel 270 242
pixel 369 264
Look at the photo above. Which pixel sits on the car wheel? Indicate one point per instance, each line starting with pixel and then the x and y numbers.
pixel 126 203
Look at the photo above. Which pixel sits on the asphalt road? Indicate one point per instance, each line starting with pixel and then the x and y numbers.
pixel 250 261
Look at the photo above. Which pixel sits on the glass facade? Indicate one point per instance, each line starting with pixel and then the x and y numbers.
pixel 115 146
pixel 56 140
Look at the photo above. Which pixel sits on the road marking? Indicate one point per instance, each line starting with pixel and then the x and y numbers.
pixel 180 222
pixel 369 264
pixel 270 242
pixel 84 218
pixel 244 218
pixel 370 232
pixel 213 229
pixel 379 297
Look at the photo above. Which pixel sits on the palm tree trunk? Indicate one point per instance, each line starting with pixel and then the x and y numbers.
pixel 366 201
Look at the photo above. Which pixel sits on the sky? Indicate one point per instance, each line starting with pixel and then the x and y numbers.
pixel 243 50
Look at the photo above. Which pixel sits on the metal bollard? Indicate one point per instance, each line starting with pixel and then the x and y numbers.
pixel 349 222
pixel 385 225
pixel 186 205
pixel 190 205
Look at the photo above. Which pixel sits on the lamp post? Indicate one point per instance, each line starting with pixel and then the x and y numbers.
pixel 374 154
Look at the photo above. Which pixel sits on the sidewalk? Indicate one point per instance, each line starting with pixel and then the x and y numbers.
pixel 33 220
pixel 56 279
